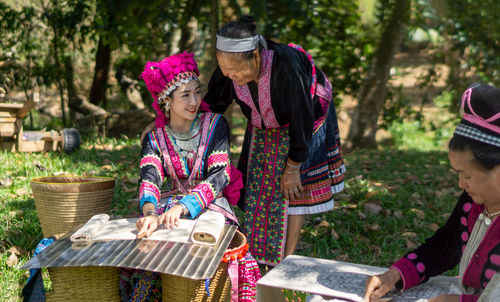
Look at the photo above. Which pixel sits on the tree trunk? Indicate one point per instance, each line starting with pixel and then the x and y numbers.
pixel 102 64
pixel 75 101
pixel 214 27
pixel 373 92
pixel 59 82
pixel 188 34
pixel 188 25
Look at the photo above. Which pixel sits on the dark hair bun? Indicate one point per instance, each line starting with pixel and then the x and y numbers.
pixel 241 29
pixel 247 19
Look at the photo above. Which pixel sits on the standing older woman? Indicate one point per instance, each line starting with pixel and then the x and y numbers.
pixel 471 236
pixel 291 153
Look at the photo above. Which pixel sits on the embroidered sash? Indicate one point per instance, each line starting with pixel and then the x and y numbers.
pixel 265 112
pixel 199 155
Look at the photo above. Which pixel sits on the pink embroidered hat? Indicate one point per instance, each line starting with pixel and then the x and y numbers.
pixel 163 77
pixel 481 114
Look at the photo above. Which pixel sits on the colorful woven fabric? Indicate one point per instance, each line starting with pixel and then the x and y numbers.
pixel 249 274
pixel 146 286
pixel 322 174
pixel 155 161
pixel 34 290
pixel 445 249
pixel 265 218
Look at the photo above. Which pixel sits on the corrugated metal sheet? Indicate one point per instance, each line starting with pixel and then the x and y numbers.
pixel 180 259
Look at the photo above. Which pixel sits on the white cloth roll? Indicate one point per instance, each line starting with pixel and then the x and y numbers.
pixel 208 228
pixel 89 229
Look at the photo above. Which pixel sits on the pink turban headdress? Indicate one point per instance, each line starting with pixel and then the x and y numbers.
pixel 163 77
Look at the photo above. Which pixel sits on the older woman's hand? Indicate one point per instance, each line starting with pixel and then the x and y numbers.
pixel 291 185
pixel 146 225
pixel 377 286
pixel 171 217
pixel 146 130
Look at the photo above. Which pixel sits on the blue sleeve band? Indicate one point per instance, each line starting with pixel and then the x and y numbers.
pixel 148 198
pixel 192 205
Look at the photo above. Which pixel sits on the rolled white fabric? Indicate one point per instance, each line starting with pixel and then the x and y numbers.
pixel 208 228
pixel 90 228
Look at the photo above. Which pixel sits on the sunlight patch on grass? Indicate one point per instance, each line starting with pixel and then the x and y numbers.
pixel 412 136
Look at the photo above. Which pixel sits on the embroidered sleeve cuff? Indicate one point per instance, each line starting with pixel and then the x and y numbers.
pixel 192 205
pixel 469 298
pixel 408 272
pixel 148 198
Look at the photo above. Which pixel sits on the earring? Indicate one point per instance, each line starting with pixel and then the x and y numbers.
pixel 167 106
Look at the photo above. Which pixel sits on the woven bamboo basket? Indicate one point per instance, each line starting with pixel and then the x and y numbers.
pixel 179 289
pixel 64 202
pixel 84 284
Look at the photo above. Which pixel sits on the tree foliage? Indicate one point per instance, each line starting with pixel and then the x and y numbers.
pixel 40 38
pixel 331 30
pixel 473 26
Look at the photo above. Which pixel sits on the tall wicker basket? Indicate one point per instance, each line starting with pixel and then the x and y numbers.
pixel 64 202
pixel 179 289
pixel 85 283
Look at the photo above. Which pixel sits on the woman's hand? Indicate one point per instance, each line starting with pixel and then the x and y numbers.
pixel 171 217
pixel 445 298
pixel 291 185
pixel 377 286
pixel 148 129
pixel 146 225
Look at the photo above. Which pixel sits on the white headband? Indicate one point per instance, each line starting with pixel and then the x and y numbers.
pixel 240 45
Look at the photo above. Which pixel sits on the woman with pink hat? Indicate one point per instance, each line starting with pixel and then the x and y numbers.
pixel 189 151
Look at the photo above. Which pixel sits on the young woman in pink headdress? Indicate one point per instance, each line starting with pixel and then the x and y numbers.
pixel 471 236
pixel 190 151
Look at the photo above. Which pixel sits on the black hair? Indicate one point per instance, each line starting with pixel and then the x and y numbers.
pixel 244 28
pixel 487 156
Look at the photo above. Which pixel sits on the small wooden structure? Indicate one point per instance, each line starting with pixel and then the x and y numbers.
pixel 14 139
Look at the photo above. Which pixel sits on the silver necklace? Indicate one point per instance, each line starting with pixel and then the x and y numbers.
pixel 488 217
pixel 185 144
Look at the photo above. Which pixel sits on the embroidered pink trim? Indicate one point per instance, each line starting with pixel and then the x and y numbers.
pixel 476 119
pixel 155 162
pixel 147 187
pixel 217 159
pixel 204 194
pixel 325 92
pixel 313 71
pixel 266 110
pixel 408 272
pixel 206 118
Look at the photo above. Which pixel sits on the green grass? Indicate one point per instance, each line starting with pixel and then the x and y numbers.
pixel 20 227
pixel 414 186
pixel 415 190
